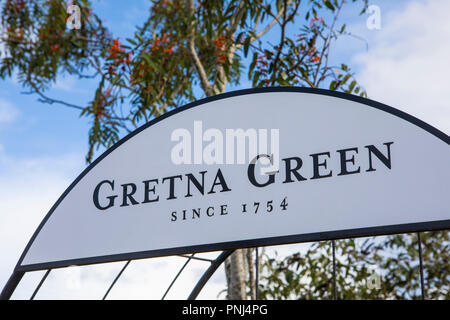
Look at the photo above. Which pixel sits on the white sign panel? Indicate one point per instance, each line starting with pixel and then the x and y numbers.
pixel 341 166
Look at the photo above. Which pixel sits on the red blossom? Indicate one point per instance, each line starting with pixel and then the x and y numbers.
pixel 315 19
pixel 107 92
pixel 54 48
pixel 115 49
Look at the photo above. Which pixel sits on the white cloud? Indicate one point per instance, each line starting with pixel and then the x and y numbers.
pixel 407 64
pixel 8 112
pixel 65 83
pixel 28 187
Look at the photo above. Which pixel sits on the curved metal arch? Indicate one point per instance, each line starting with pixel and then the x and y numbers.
pixel 19 272
pixel 11 285
pixel 119 257
pixel 208 273
pixel 215 264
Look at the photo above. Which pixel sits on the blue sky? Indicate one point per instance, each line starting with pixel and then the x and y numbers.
pixel 42 147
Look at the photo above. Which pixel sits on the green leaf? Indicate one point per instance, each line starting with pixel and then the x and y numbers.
pixel 347 76
pixel 246 45
pixel 131 41
pixel 252 65
pixel 333 85
pixel 139 37
pixel 329 5
pixel 352 85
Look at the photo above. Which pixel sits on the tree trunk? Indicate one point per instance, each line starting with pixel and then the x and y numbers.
pixel 236 266
pixel 236 275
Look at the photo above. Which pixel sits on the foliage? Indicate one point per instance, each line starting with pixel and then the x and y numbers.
pixel 394 258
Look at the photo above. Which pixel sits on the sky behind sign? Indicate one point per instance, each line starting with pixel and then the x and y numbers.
pixel 42 147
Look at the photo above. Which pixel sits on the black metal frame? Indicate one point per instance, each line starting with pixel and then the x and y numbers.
pixel 115 279
pixel 215 264
pixel 40 284
pixel 229 246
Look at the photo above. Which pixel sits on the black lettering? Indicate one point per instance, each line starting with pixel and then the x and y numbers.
pixel 223 210
pixel 317 165
pixel 195 213
pixel 294 171
pixel 172 185
pixel 128 195
pixel 96 192
pixel 200 187
pixel 219 176
pixel 386 160
pixel 345 160
pixel 251 174
pixel 147 191
pixel 207 211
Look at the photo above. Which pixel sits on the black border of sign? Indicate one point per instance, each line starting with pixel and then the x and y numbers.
pixel 382 230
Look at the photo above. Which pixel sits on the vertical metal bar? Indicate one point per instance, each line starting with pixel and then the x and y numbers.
pixel 178 274
pixel 422 285
pixel 40 284
pixel 257 274
pixel 117 278
pixel 334 270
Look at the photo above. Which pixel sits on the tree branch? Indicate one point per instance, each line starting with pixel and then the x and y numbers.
pixel 197 63
pixel 46 99
pixel 326 46
pixel 235 18
pixel 276 19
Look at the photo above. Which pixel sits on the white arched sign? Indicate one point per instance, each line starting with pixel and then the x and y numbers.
pixel 342 166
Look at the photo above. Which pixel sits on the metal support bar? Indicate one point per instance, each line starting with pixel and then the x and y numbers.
pixel 333 244
pixel 257 274
pixel 422 285
pixel 195 258
pixel 117 278
pixel 11 285
pixel 208 273
pixel 40 284
pixel 178 274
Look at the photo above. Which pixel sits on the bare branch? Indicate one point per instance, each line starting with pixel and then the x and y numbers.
pixel 234 20
pixel 158 110
pixel 198 64
pixel 276 19
pixel 327 45
pixel 221 77
pixel 46 99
